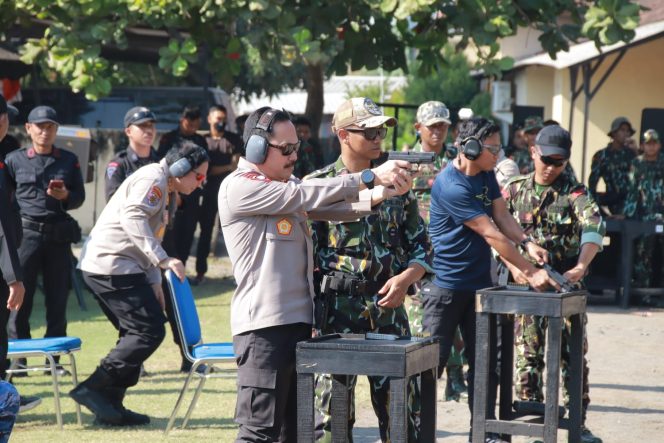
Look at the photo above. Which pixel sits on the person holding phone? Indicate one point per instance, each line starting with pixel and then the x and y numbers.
pixel 48 183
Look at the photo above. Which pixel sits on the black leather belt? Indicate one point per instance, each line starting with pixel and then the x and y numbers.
pixel 44 228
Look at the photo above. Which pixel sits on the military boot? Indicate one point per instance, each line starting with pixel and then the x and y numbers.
pixel 455 389
pixel 129 417
pixel 92 394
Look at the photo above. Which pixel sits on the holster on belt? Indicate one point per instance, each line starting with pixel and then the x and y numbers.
pixel 339 283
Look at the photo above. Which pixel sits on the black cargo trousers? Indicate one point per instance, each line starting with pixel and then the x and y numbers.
pixel 266 408
pixel 131 300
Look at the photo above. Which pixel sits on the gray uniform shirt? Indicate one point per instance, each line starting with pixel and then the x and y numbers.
pixel 127 236
pixel 268 240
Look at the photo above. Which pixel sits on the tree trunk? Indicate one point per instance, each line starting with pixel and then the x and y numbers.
pixel 315 99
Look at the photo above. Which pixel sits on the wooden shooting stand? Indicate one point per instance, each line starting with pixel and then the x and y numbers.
pixel 351 354
pixel 556 307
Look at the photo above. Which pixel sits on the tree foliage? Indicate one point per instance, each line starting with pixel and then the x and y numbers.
pixel 264 45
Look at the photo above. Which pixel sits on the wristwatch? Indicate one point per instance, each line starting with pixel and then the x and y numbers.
pixel 525 241
pixel 367 177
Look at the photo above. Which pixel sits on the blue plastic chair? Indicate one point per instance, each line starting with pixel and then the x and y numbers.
pixel 189 328
pixel 47 348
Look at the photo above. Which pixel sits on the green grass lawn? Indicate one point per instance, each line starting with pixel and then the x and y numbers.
pixel 212 420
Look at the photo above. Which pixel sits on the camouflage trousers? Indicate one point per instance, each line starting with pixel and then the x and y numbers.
pixel 415 314
pixel 359 315
pixel 644 271
pixel 529 339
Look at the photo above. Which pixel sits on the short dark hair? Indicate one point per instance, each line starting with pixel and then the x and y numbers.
pixel 214 108
pixel 478 127
pixel 302 121
pixel 191 112
pixel 254 117
pixel 550 122
pixel 196 154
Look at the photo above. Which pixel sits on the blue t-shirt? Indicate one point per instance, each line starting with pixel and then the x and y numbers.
pixel 462 258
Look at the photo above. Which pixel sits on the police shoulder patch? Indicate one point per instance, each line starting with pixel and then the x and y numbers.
pixel 154 196
pixel 255 175
pixel 110 170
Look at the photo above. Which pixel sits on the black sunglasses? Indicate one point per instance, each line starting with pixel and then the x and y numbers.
pixel 550 161
pixel 370 133
pixel 288 148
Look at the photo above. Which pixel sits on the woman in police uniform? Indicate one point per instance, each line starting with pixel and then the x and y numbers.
pixel 122 262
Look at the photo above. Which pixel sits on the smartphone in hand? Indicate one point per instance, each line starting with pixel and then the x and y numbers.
pixel 56 184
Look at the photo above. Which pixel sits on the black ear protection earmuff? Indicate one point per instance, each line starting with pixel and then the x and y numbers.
pixel 471 146
pixel 256 147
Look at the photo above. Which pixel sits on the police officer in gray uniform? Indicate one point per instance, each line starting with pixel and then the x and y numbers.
pixel 263 210
pixel 122 262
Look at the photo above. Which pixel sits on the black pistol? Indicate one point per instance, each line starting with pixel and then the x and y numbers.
pixel 417 158
pixel 565 285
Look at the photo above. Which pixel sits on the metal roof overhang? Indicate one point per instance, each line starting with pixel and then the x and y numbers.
pixel 586 51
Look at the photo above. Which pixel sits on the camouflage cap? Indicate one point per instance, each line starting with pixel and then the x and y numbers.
pixel 618 122
pixel 361 112
pixel 432 112
pixel 650 136
pixel 533 122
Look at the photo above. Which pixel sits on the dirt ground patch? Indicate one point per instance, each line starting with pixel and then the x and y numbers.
pixel 626 360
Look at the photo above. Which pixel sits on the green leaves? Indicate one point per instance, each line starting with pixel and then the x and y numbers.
pixel 262 45
pixel 307 47
pixel 33 49
pixel 610 21
pixel 176 56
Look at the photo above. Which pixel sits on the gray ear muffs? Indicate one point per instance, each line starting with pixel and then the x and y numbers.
pixel 180 168
pixel 256 147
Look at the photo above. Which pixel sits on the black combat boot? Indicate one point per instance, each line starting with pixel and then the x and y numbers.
pixel 129 417
pixel 92 394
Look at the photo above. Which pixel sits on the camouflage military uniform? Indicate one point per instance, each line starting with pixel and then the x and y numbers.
pixel 307 161
pixel 373 248
pixel 612 165
pixel 560 218
pixel 523 160
pixel 645 201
